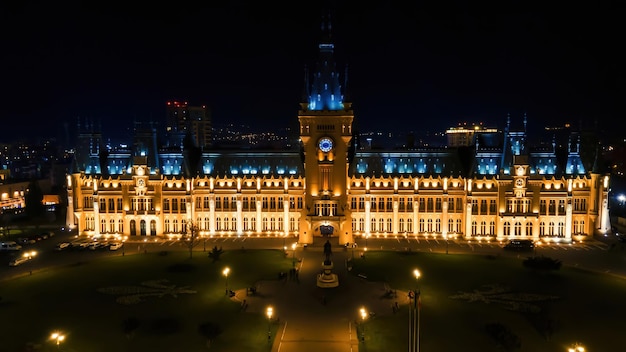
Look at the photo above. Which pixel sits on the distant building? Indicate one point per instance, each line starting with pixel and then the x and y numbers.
pixel 465 136
pixel 330 186
pixel 184 119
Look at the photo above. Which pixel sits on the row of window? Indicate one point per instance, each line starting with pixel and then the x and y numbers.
pixel 176 226
pixel 249 203
pixel 405 204
pixel 176 205
pixel 382 204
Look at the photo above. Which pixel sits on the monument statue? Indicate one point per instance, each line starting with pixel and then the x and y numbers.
pixel 327 251
pixel 327 278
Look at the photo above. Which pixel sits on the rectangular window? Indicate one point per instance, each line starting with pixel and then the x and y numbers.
pixel 483 206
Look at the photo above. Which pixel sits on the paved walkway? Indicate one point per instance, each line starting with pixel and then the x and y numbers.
pixel 313 319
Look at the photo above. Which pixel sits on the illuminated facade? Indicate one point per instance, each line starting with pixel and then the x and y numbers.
pixel 330 187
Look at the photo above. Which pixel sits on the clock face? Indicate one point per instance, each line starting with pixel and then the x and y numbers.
pixel 519 182
pixel 140 183
pixel 325 144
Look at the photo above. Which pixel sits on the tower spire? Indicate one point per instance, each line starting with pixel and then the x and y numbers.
pixel 325 91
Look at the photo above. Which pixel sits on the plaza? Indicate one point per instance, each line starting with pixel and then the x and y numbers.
pixel 84 299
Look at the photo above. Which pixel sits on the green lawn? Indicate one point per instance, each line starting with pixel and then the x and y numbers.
pixel 580 306
pixel 80 300
pixel 69 299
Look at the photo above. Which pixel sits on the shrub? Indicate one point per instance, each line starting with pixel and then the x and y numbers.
pixel 542 263
pixel 503 336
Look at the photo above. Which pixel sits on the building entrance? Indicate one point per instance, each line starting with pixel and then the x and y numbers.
pixel 327 230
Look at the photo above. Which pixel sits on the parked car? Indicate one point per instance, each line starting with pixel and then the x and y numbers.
pixel 98 245
pixel 62 246
pixel 26 256
pixel 26 240
pixel 18 261
pixel 520 245
pixel 10 246
pixel 116 245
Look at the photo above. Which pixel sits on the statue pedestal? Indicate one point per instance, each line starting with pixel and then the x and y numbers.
pixel 327 279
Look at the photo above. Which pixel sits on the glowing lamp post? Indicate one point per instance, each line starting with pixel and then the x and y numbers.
pixel 57 337
pixel 414 316
pixel 576 348
pixel 269 312
pixel 363 314
pixel 225 272
pixel 293 260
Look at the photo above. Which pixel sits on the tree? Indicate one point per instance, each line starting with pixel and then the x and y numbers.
pixel 542 263
pixel 192 230
pixel 209 331
pixel 215 253
pixel 129 326
pixel 34 200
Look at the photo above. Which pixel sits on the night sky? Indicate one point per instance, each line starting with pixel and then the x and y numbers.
pixel 410 67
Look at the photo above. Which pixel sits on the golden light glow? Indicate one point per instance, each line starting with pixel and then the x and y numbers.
pixel 57 337
pixel 269 312
pixel 417 273
pixel 363 313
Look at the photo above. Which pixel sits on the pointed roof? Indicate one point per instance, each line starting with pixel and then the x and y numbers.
pixel 325 92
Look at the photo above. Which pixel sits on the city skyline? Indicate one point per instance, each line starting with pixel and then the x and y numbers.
pixel 411 67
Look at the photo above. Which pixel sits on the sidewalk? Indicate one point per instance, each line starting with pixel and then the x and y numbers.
pixel 313 319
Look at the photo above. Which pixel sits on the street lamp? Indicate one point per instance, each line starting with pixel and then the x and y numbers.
pixel 576 348
pixel 269 312
pixel 293 260
pixel 225 273
pixel 57 337
pixel 363 314
pixel 414 316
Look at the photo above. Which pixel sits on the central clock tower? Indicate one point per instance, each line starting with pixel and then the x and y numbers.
pixel 325 133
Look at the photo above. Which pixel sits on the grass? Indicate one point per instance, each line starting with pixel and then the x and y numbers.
pixel 578 305
pixel 68 299
pixel 582 306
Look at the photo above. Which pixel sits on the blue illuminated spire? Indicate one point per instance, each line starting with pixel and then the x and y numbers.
pixel 325 91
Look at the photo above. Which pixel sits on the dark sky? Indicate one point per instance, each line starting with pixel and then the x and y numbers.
pixel 410 67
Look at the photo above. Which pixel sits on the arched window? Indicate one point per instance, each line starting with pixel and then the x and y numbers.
pixel 529 228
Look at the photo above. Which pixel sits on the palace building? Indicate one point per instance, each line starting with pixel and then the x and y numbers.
pixel 487 185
